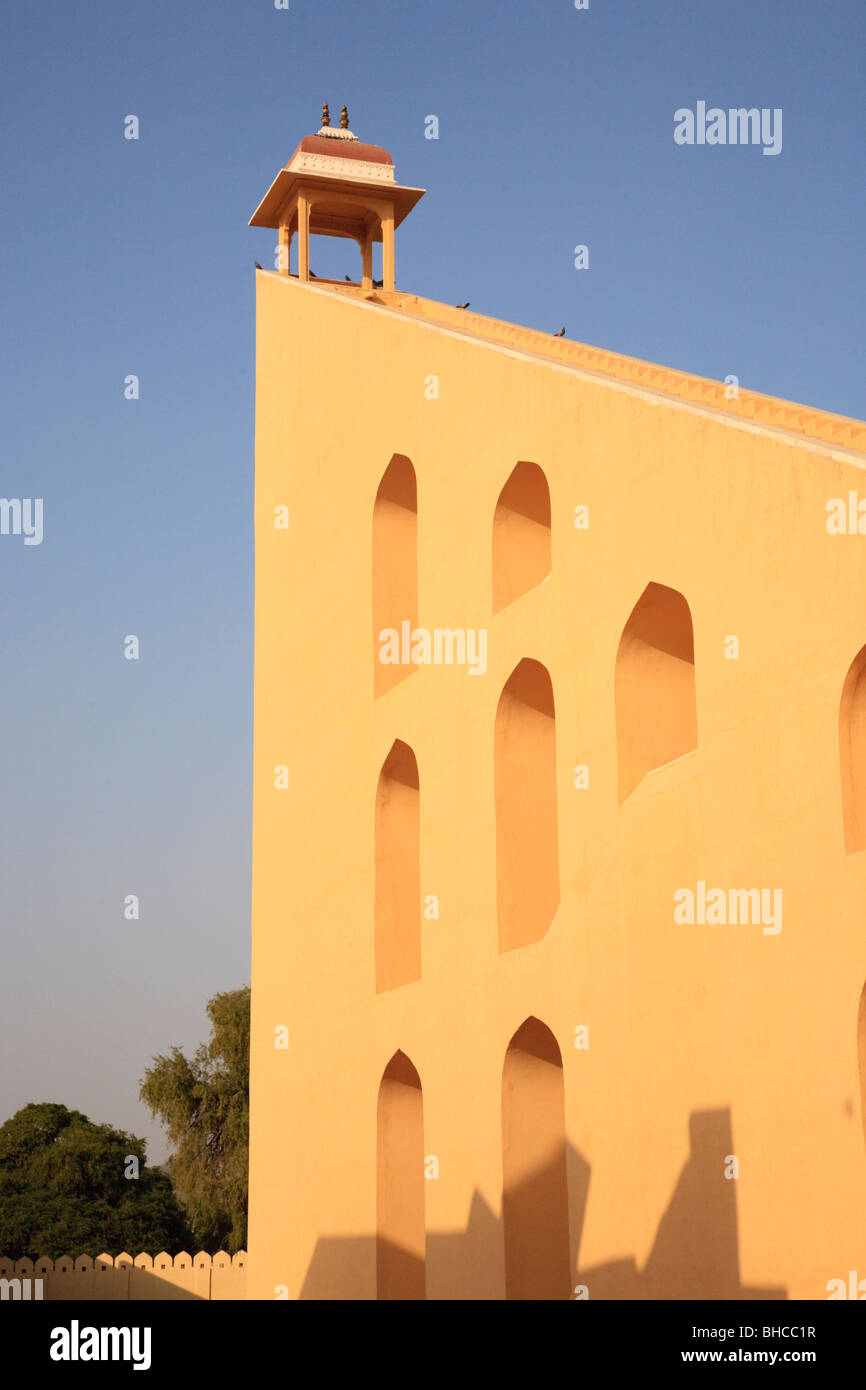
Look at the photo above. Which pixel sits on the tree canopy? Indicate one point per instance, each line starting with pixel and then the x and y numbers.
pixel 68 1187
pixel 204 1106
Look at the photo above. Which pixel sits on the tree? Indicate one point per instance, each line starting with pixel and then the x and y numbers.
pixel 204 1106
pixel 69 1187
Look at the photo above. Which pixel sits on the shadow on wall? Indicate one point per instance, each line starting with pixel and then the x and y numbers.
pixel 695 1254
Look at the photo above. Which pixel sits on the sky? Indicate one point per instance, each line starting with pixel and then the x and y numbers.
pixel 133 257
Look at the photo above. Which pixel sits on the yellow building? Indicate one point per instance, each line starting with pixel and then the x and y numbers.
pixel 559 891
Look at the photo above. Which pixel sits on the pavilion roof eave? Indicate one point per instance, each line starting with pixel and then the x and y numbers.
pixel 285 184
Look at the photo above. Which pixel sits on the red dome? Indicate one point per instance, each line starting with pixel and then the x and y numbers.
pixel 343 149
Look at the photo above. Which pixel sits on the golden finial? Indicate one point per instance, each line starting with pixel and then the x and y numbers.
pixel 326 115
pixel 344 119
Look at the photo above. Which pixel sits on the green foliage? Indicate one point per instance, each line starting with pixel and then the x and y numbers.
pixel 204 1105
pixel 63 1190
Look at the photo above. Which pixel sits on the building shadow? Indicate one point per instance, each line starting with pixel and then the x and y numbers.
pixel 695 1254
pixel 524 1254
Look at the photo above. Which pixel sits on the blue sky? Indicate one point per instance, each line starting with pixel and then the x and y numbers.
pixel 555 129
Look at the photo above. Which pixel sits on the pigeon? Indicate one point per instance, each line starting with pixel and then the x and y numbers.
pixel 377 284
pixel 462 306
pixel 256 264
pixel 560 334
pixel 348 277
pixel 314 276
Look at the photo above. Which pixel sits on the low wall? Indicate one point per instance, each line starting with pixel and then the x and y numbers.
pixel 108 1278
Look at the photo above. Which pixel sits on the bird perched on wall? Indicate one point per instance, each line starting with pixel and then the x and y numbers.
pixel 560 334
pixel 256 264
pixel 348 277
pixel 462 306
pixel 377 284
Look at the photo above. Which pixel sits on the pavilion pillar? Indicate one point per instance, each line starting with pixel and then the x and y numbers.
pixel 388 248
pixel 367 260
pixel 284 255
pixel 303 238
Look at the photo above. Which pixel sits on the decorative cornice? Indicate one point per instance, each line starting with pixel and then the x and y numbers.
pixel 361 169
